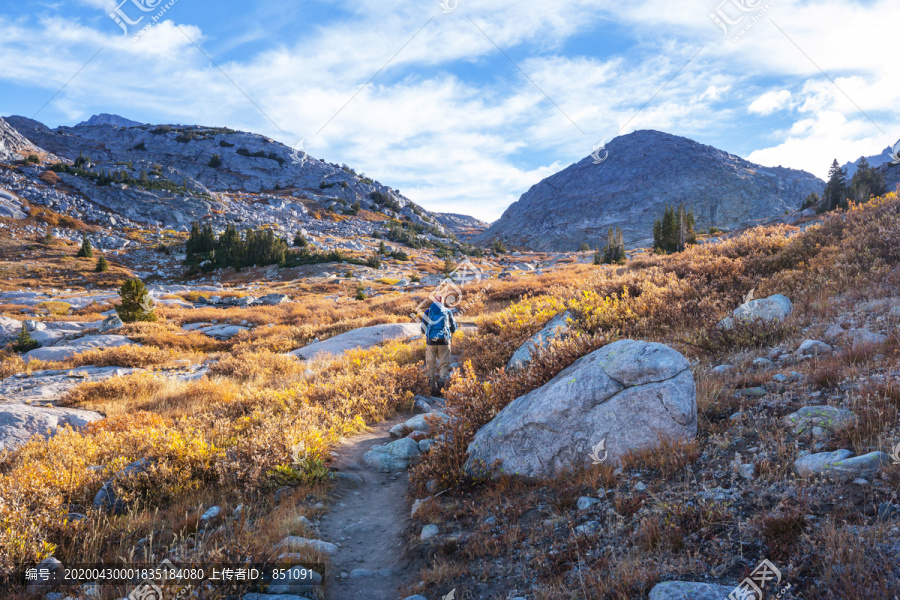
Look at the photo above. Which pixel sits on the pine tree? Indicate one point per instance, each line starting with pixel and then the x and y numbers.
pixel 835 195
pixel 382 249
pixel 24 342
pixel 614 251
pixel 867 182
pixel 102 264
pixel 300 241
pixel 136 304
pixel 86 250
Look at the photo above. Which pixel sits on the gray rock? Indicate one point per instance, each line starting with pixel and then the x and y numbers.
pixel 429 531
pixel 49 386
pixel 54 567
pixel 395 456
pixel 73 347
pixel 771 309
pixel 106 498
pixel 211 514
pixel 689 590
pixel 425 445
pixel 420 422
pixel 840 466
pixel 258 596
pixel 863 337
pixel 820 421
pixel 630 393
pixel 814 348
pixel 110 323
pixel 365 337
pixel 779 378
pixel 762 363
pixel 557 327
pixel 20 422
pixel 588 528
pixel 222 332
pixel 586 502
pixel 274 299
pixel 293 543
pixel 722 369
pixel 416 597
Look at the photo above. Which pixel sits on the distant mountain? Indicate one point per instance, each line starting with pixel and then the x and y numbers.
pixel 876 160
pixel 178 173
pixel 462 226
pixel 642 173
pixel 108 119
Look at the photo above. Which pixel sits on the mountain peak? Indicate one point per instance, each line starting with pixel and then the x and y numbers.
pixel 108 119
pixel 642 172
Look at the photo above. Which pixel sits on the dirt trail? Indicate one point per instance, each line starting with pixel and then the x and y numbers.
pixel 368 520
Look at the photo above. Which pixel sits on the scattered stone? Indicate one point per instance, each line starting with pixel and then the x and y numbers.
pixel 771 309
pixel 588 528
pixel 222 332
pixel 293 543
pixel 395 456
pixel 840 466
pixel 779 378
pixel 814 348
pixel 629 393
pixel 586 502
pixel 106 498
pixel 274 299
pixel 211 514
pixel 762 363
pixel 722 369
pixel 690 590
pixel 820 421
pixel 110 323
pixel 429 531
pixel 863 337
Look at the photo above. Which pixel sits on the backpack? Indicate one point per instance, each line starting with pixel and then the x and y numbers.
pixel 437 331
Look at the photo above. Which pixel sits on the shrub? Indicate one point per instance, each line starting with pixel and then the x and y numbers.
pixel 54 307
pixel 136 303
pixel 86 250
pixel 32 159
pixel 215 162
pixel 102 264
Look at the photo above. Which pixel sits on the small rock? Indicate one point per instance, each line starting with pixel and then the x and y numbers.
pixel 722 369
pixel 640 486
pixel 840 466
pixel 820 421
pixel 588 528
pixel 689 590
pixel 762 363
pixel 429 531
pixel 586 502
pixel 360 573
pixel 779 378
pixel 212 513
pixel 293 543
pixel 814 348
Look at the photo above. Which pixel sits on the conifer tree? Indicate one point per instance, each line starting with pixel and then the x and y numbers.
pixel 86 250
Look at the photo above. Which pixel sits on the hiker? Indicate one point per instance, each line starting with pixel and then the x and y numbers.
pixel 438 325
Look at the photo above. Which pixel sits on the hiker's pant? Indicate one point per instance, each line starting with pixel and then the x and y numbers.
pixel 437 358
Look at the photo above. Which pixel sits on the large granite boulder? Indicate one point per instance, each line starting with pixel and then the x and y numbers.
pixel 771 309
pixel 632 394
pixel 556 327
pixel 365 337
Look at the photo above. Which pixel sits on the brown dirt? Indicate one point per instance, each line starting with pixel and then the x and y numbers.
pixel 368 521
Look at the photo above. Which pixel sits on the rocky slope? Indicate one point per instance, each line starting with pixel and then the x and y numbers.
pixel 201 164
pixel 108 119
pixel 461 225
pixel 643 172
pixel 13 146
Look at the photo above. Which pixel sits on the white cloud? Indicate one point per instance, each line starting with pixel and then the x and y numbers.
pixel 771 102
pixel 475 143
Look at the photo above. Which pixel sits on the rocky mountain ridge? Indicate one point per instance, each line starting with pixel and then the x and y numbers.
pixel 643 172
pixel 188 173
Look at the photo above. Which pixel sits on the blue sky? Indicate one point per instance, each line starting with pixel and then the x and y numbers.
pixel 473 103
